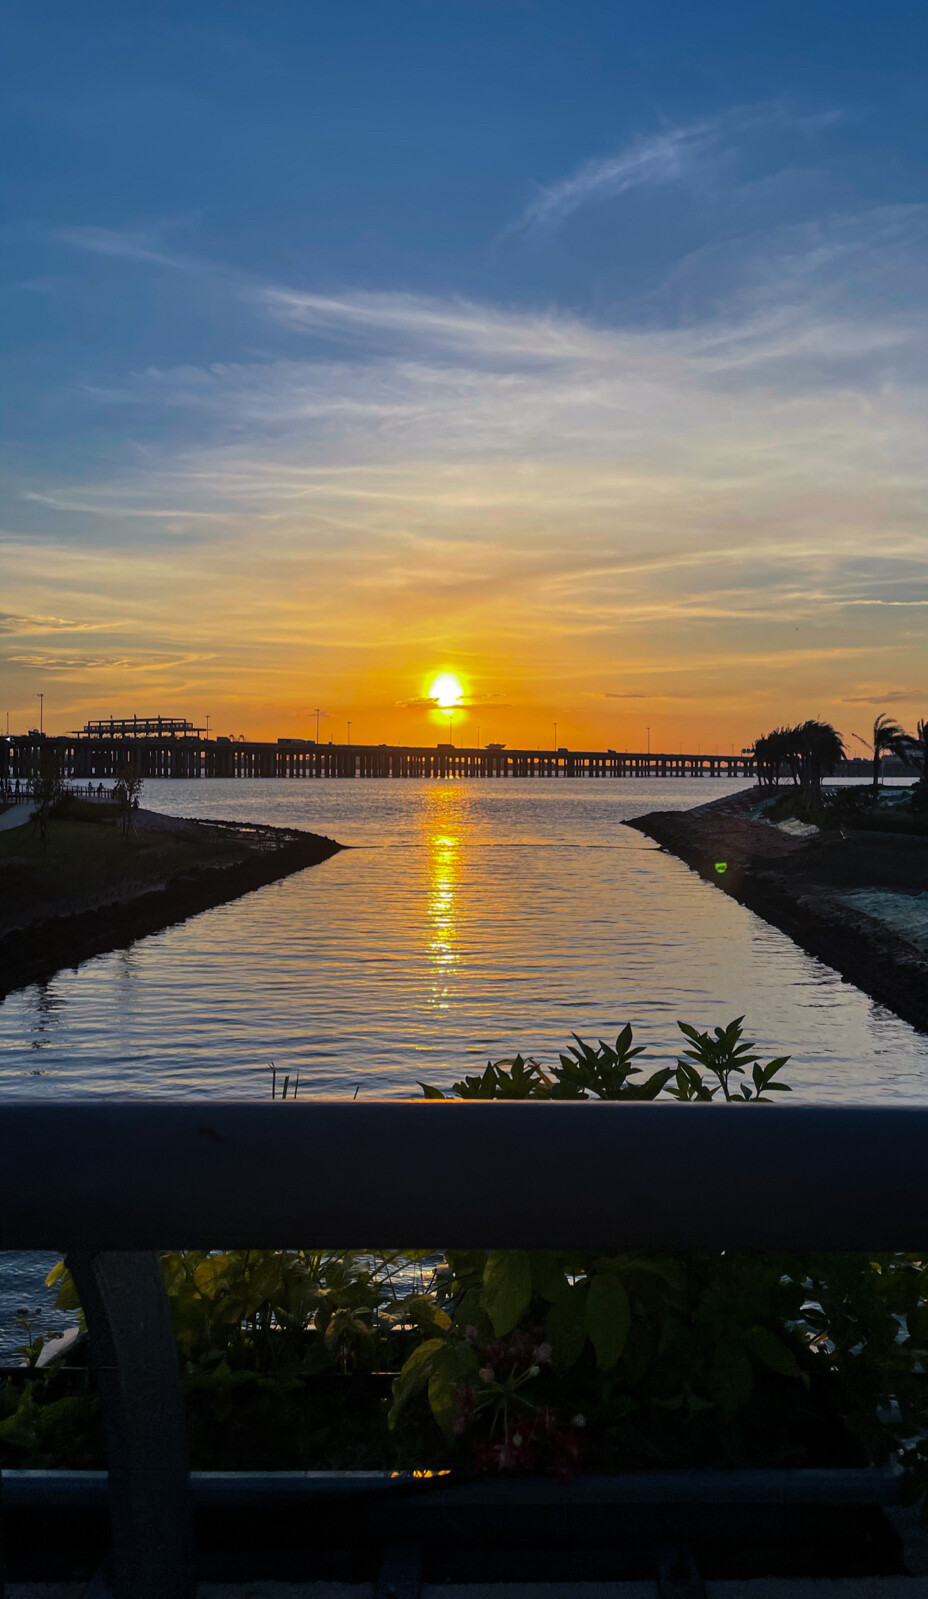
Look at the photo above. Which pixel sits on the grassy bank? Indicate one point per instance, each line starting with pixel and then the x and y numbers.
pixel 90 889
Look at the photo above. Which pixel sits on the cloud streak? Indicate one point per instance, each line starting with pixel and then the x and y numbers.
pixel 671 155
pixel 660 158
pixel 736 495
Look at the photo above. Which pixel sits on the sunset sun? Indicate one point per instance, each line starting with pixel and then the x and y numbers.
pixel 446 691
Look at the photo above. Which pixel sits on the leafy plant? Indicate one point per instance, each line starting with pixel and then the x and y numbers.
pixel 532 1360
pixel 609 1071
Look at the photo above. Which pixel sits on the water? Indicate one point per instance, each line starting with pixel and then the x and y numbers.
pixel 469 920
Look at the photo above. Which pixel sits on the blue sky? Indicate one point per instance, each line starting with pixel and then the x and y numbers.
pixel 576 348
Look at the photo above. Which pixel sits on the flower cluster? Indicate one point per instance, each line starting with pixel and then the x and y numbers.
pixel 537 1443
pixel 519 1435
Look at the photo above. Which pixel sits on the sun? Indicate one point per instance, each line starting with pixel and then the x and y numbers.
pixel 446 691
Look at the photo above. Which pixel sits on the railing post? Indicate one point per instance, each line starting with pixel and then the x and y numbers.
pixel 133 1354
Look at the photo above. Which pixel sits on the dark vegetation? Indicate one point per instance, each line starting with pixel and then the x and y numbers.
pixel 870 837
pixel 529 1361
pixel 804 755
pixel 91 875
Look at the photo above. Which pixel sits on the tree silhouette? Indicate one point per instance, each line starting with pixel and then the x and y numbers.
pixel 126 792
pixel 776 750
pixel 47 786
pixel 887 739
pixel 821 749
pixel 914 751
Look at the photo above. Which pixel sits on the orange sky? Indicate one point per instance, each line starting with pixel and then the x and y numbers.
pixel 609 529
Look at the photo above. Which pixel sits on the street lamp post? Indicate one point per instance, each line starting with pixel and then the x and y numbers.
pixel 349 732
pixel 41 700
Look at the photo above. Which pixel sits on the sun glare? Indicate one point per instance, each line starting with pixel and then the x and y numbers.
pixel 446 691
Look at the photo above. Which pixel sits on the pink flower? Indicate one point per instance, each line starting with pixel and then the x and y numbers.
pixel 486 1374
pixel 543 1354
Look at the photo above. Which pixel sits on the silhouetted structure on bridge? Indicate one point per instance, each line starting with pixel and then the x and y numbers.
pixel 178 749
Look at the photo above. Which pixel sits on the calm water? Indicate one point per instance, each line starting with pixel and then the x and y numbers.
pixel 468 921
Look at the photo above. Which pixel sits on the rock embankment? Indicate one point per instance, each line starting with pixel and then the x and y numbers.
pixel 90 891
pixel 853 898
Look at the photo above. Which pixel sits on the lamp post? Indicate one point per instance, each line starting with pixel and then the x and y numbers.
pixel 349 732
pixel 649 741
pixel 555 735
pixel 41 700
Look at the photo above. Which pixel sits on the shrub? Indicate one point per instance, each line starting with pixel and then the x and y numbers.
pixel 535 1360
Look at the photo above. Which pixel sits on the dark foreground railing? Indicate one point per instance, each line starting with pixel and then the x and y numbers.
pixel 109 1183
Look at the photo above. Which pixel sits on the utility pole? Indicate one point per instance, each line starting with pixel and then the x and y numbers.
pixel 41 700
pixel 317 713
pixel 207 729
pixel 555 735
pixel 349 732
pixel 649 741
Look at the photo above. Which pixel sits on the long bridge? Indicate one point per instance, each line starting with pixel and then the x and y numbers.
pixel 103 753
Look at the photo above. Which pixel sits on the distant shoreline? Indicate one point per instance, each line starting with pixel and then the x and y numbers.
pixel 812 890
pixel 182 868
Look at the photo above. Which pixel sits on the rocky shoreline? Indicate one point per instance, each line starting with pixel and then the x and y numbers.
pixel 814 887
pixel 219 861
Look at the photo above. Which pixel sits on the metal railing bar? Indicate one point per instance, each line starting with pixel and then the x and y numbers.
pixel 133 1356
pixel 227 1489
pixel 137 1175
pixel 112 1182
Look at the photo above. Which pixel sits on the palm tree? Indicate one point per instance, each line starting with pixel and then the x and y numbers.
pixel 774 751
pixel 888 739
pixel 914 751
pixel 821 749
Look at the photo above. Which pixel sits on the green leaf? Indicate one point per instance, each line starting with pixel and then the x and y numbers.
pixel 548 1280
pixel 67 1297
pixel 766 1347
pixel 566 1326
pixel 608 1319
pixel 451 1369
pixel 431 1093
pixel 414 1376
pixel 507 1288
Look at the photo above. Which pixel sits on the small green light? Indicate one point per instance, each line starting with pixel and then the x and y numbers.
pixel 721 866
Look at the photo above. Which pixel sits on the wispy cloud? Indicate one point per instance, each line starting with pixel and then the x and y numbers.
pixel 671 155
pixel 142 245
pixel 485 702
pixel 48 661
pixel 887 696
pixel 549 496
pixel 660 158
pixel 13 624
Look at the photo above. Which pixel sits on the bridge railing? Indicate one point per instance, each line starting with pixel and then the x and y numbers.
pixel 110 1183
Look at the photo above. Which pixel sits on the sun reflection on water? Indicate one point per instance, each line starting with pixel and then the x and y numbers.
pixel 444 841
